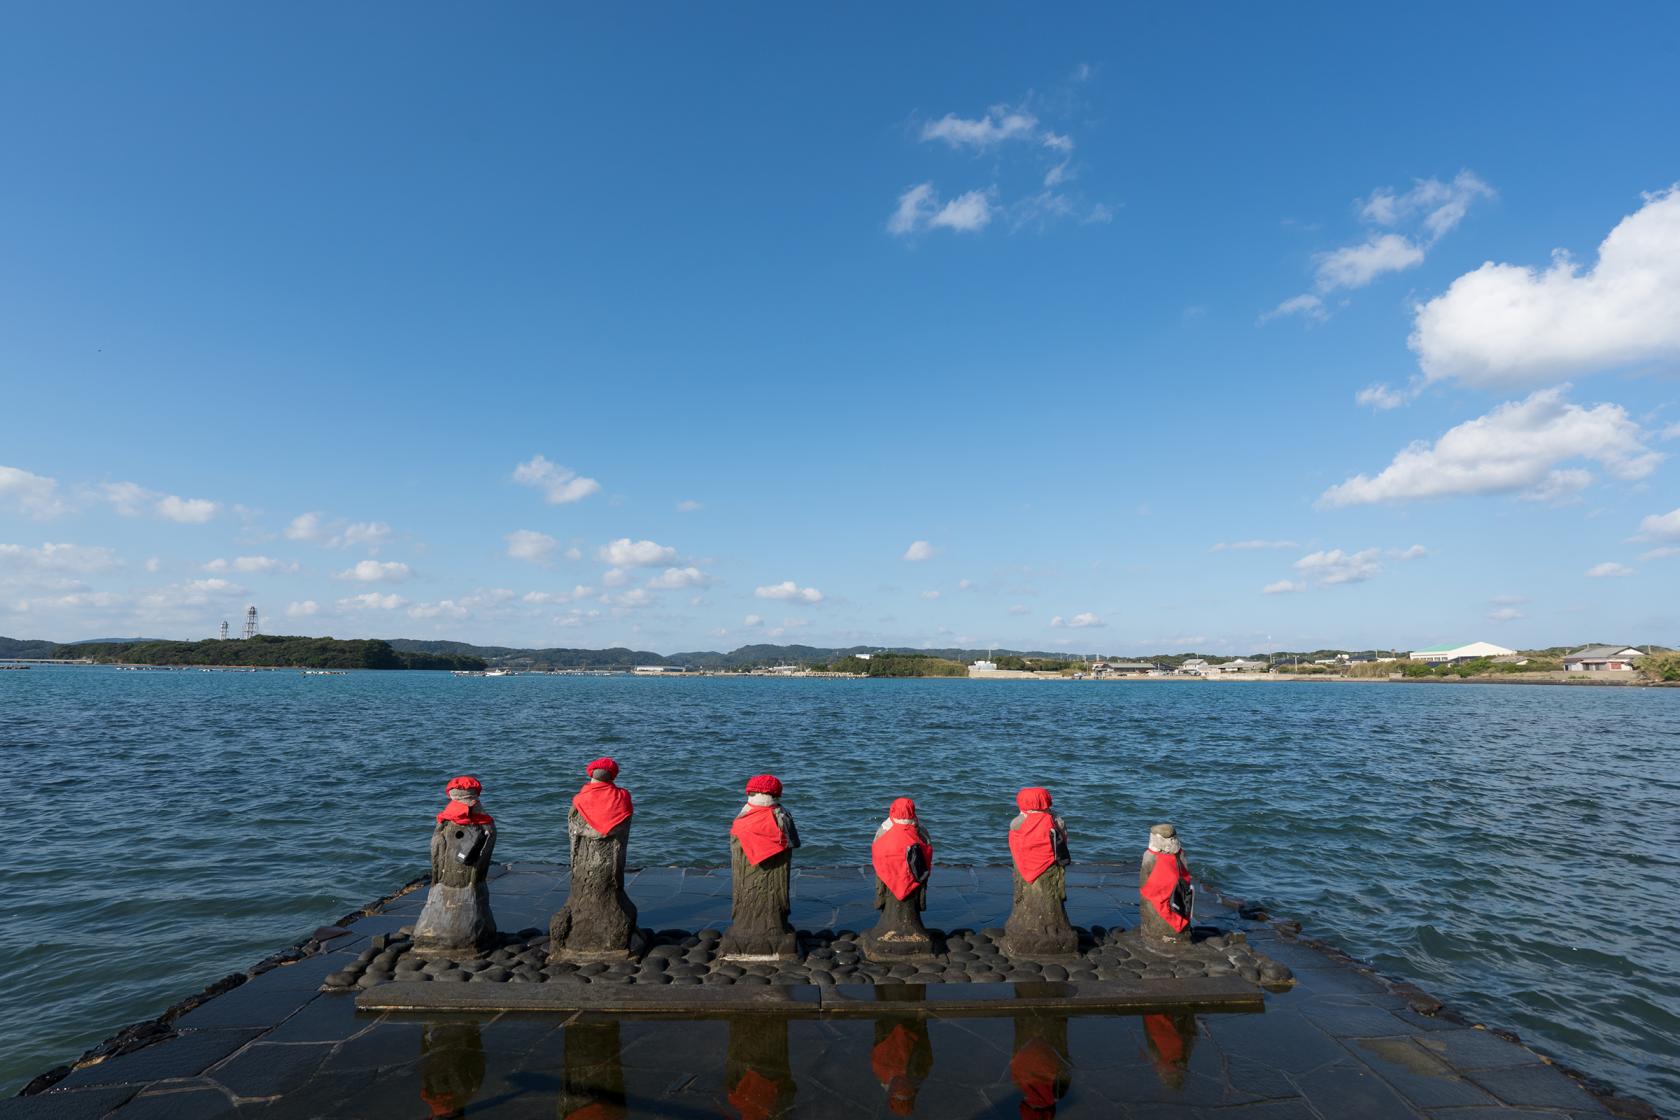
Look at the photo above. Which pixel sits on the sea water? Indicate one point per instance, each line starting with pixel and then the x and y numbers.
pixel 1512 849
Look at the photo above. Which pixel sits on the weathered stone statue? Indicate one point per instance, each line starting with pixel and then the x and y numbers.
pixel 1169 1037
pixel 451 1068
pixel 761 843
pixel 901 1060
pixel 1167 907
pixel 598 921
pixel 1038 924
pixel 1040 1066
pixel 756 1070
pixel 457 914
pixel 592 1077
pixel 903 858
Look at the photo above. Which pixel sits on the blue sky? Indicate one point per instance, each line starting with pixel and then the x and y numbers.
pixel 1159 327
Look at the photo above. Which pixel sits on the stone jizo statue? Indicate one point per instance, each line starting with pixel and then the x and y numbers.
pixel 1168 903
pixel 1038 924
pixel 598 921
pixel 903 859
pixel 761 844
pixel 457 917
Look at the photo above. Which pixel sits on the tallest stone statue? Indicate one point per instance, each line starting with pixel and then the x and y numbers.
pixel 598 921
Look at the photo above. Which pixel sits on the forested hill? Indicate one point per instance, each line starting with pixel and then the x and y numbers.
pixel 24 647
pixel 746 657
pixel 271 651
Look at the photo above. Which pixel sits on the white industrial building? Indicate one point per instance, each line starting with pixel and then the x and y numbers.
pixel 1439 654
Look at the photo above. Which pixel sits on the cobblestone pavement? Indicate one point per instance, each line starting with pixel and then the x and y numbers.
pixel 1340 1043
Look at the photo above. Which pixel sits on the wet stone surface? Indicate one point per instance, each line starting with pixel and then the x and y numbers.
pixel 1339 1042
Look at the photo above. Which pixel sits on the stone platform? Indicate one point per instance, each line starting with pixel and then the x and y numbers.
pixel 1341 1042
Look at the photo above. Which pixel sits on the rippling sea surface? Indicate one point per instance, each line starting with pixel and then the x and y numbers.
pixel 1512 849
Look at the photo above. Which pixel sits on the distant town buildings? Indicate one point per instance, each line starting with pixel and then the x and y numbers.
pixel 1437 655
pixel 1602 659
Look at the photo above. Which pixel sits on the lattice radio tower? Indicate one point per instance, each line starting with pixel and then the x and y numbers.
pixel 250 622
pixel 224 629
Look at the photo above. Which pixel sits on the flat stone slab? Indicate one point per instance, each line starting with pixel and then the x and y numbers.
pixel 1223 994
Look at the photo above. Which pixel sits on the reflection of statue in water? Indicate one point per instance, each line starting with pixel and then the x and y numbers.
pixel 901 1059
pixel 1169 1038
pixel 761 843
pixel 598 921
pixel 1038 924
pixel 1167 906
pixel 902 856
pixel 1040 1067
pixel 756 1073
pixel 451 1067
pixel 457 913
pixel 592 1079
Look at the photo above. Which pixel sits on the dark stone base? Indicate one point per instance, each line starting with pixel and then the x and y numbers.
pixel 896 945
pixel 759 947
pixel 455 919
pixel 1042 947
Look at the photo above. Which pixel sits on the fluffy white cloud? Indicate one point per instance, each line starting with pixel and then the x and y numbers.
pixel 1518 446
pixel 1415 552
pixel 372 601
pixel 1660 526
pixel 753 620
pixel 316 529
pixel 372 571
pixel 445 608
pixel 1355 266
pixel 1671 432
pixel 1000 123
pixel 215 585
pixel 1306 305
pixel 674 578
pixel 1608 569
pixel 788 589
pixel 153 563
pixel 930 594
pixel 33 495
pixel 187 511
pixel 302 609
pixel 920 208
pixel 542 598
pixel 1333 566
pixel 1250 545
pixel 626 553
pixel 614 577
pixel 51 557
pixel 305 527
pixel 1282 587
pixel 1504 614
pixel 1380 397
pixel 1018 608
pixel 260 564
pixel 1079 621
pixel 130 499
pixel 530 545
pixel 689 505
pixel 560 485
pixel 1505 325
pixel 919 550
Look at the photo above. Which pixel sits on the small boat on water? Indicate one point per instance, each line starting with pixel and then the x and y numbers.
pixel 323 672
pixel 484 672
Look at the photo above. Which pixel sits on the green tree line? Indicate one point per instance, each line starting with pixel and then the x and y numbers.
pixel 271 651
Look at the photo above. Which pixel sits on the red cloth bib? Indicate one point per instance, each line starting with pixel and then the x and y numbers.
pixel 1033 844
pixel 760 834
pixel 890 855
pixel 604 805
pixel 459 812
pixel 1036 1068
pixel 1159 887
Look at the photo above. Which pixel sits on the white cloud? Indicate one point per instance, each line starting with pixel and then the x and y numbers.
pixel 1019 608
pixel 1671 432
pixel 1518 446
pixel 372 571
pixel 190 511
pixel 788 589
pixel 965 585
pixel 920 208
pixel 1333 566
pixel 50 557
pixel 614 577
pixel 1608 569
pixel 444 608
pixel 919 550
pixel 33 495
pixel 542 598
pixel 1503 326
pixel 753 620
pixel 1306 305
pixel 626 553
pixel 1662 553
pixel 372 601
pixel 1380 397
pixel 998 124
pixel 560 485
pixel 1504 614
pixel 305 527
pixel 1355 266
pixel 672 579
pixel 1415 552
pixel 689 505
pixel 153 563
pixel 130 499
pixel 1250 545
pixel 215 585
pixel 260 564
pixel 1282 587
pixel 127 498
pixel 532 546
pixel 968 212
pixel 316 529
pixel 633 599
pixel 302 609
pixel 1660 526
pixel 1079 621
pixel 930 594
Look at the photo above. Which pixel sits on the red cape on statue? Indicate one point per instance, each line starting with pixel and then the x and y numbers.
pixel 604 805
pixel 760 834
pixel 1159 887
pixel 459 812
pixel 1033 845
pixel 890 851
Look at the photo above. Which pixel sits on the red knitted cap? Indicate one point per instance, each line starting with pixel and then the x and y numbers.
pixel 765 783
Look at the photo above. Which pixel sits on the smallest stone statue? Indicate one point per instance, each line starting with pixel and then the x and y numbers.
pixel 761 844
pixel 457 914
pixel 1168 902
pixel 903 858
pixel 1038 925
pixel 598 921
